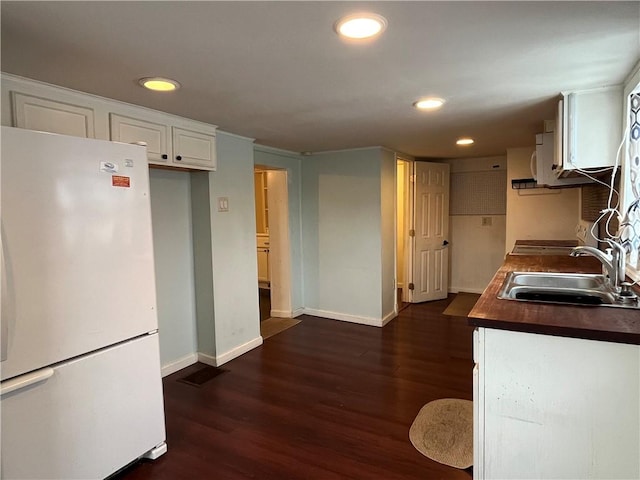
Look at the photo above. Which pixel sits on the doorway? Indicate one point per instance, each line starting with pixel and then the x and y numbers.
pixel 272 241
pixel 403 227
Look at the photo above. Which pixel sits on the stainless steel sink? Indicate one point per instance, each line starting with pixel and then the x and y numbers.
pixel 566 288
pixel 558 280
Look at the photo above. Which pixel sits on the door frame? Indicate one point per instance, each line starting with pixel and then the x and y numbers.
pixel 279 242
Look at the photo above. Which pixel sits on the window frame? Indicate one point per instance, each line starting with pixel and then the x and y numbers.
pixel 631 85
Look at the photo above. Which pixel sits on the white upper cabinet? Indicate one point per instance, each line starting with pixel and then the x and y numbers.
pixel 132 130
pixel 169 145
pixel 47 115
pixel 194 149
pixel 588 129
pixel 172 141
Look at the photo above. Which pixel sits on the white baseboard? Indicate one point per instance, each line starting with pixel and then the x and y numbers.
pixel 207 359
pixel 179 364
pixel 466 290
pixel 371 321
pixel 237 351
pixel 389 316
pixel 287 313
pixel 231 354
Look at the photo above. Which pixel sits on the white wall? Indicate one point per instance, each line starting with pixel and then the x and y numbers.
pixel 173 253
pixel 341 229
pixel 477 251
pixel 224 246
pixel 537 214
pixel 203 263
pixel 234 271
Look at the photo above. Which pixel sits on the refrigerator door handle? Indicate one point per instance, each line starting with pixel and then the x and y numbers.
pixel 26 380
pixel 4 322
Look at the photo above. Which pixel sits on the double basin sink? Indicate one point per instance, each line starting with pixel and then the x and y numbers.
pixel 564 288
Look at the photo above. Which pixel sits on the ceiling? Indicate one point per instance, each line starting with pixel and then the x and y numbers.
pixel 277 72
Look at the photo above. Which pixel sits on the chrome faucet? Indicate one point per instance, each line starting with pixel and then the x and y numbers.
pixel 613 261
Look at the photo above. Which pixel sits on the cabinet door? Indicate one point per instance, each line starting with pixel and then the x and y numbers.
pixel 132 130
pixel 34 113
pixel 194 149
pixel 263 265
pixel 555 407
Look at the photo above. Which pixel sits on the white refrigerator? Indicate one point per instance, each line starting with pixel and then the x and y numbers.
pixel 81 390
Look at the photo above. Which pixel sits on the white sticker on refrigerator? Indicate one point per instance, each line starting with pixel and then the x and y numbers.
pixel 108 167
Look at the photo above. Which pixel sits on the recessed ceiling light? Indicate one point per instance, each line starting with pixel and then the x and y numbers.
pixel 431 103
pixel 464 141
pixel 361 25
pixel 159 84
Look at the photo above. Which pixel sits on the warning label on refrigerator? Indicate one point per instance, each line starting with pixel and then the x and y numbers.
pixel 120 181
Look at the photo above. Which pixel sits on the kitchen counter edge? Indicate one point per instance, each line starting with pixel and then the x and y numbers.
pixel 587 322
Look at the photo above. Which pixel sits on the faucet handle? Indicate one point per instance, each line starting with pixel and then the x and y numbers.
pixel 616 246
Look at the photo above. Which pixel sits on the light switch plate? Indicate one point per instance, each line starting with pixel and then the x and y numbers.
pixel 223 204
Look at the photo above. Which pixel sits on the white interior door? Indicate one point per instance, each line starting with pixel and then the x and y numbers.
pixel 431 229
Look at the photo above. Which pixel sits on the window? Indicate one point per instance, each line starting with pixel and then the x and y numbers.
pixel 630 206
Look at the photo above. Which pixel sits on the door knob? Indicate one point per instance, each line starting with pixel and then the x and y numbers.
pixel 445 243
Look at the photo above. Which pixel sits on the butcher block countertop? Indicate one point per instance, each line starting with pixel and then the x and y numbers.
pixel 589 322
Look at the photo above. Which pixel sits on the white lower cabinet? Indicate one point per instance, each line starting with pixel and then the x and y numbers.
pixel 263 259
pixel 548 407
pixel 169 145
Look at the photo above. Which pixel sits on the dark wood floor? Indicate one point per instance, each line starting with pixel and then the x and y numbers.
pixel 322 400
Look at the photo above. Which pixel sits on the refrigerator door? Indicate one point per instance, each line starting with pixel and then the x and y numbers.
pixel 77 250
pixel 89 418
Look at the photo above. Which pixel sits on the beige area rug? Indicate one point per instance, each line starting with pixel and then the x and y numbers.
pixel 462 304
pixel 443 431
pixel 273 326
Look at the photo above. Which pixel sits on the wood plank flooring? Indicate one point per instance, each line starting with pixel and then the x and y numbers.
pixel 322 400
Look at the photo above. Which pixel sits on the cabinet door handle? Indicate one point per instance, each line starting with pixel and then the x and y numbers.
pixel 179 157
pixel 165 156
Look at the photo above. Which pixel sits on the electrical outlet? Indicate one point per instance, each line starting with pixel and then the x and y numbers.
pixel 486 221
